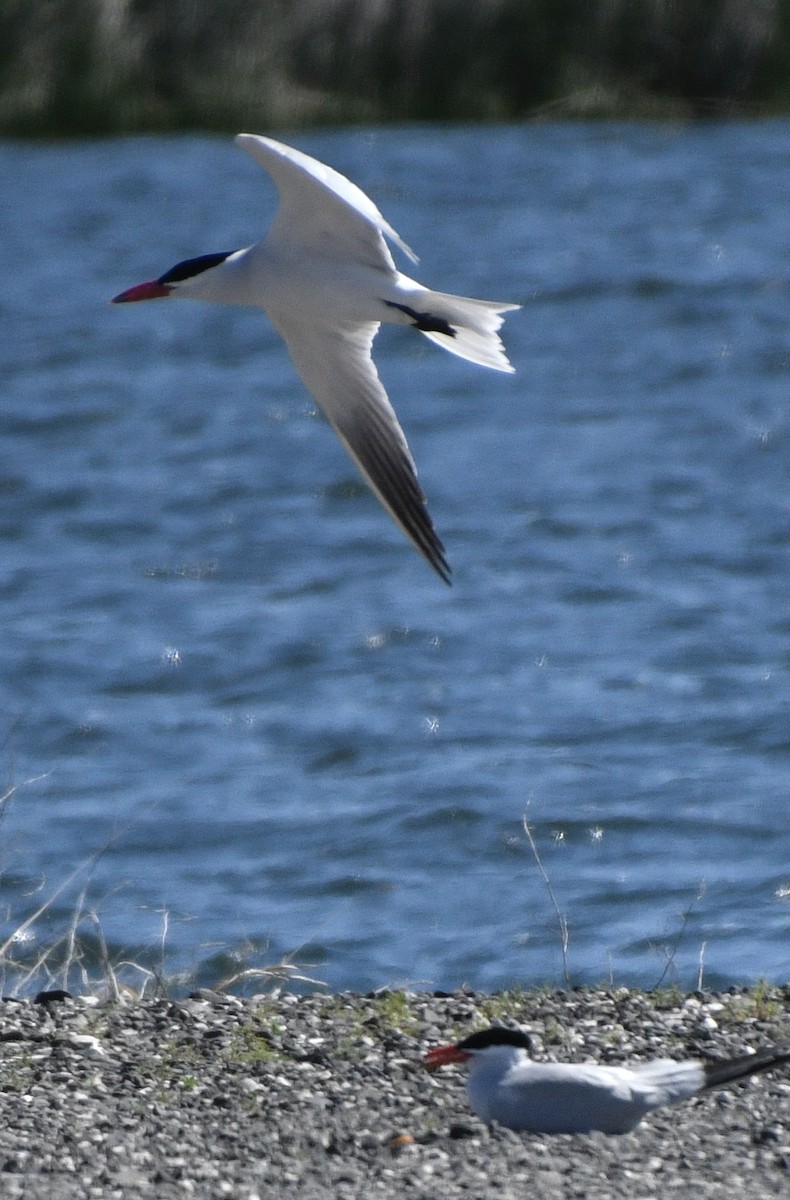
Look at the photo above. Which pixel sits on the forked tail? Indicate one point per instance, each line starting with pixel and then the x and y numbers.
pixel 465 327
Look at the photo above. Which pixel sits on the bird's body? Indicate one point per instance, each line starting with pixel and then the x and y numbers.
pixel 505 1085
pixel 327 280
pixel 575 1097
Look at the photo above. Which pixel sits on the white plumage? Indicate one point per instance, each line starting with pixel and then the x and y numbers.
pixel 327 280
pixel 505 1085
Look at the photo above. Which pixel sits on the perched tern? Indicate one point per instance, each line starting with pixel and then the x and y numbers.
pixel 326 278
pixel 507 1086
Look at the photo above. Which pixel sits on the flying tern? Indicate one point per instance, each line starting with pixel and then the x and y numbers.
pixel 505 1085
pixel 327 280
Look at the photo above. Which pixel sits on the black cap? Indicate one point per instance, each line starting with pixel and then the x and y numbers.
pixel 497 1035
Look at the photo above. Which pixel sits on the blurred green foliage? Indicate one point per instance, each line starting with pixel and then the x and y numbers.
pixel 103 66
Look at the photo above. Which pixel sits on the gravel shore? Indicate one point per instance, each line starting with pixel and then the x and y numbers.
pixel 321 1096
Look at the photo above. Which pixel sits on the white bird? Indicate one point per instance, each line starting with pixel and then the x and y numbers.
pixel 507 1086
pixel 325 277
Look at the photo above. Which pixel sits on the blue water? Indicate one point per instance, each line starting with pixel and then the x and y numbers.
pixel 233 695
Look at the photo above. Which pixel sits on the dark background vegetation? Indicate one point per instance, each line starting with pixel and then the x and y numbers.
pixel 104 66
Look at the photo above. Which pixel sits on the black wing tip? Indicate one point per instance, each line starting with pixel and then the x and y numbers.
pixel 388 470
pixel 444 571
pixel 431 548
pixel 718 1073
pixel 433 552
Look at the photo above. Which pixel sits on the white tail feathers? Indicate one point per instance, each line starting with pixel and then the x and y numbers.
pixel 474 325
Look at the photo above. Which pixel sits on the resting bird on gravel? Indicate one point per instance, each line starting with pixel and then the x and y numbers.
pixel 326 279
pixel 505 1085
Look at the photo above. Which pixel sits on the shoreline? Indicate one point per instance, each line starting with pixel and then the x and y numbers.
pixel 326 1096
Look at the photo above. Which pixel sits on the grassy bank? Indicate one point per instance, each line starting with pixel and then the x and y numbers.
pixel 106 66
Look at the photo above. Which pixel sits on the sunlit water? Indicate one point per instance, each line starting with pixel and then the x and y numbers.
pixel 228 676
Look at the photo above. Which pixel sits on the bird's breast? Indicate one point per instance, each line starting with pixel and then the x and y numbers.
pixel 319 291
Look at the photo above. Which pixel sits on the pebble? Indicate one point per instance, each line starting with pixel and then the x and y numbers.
pixel 317 1097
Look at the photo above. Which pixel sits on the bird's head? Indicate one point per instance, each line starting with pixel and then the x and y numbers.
pixel 495 1042
pixel 192 277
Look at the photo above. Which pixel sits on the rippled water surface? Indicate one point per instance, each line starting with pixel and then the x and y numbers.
pixel 227 676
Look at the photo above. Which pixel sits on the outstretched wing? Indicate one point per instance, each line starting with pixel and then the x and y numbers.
pixel 321 212
pixel 336 367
